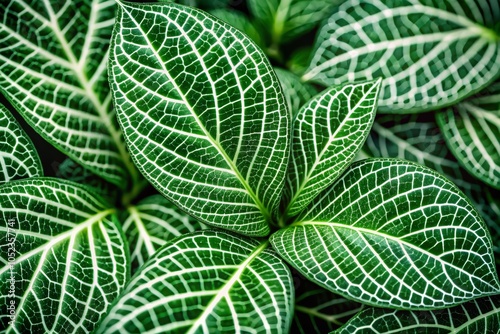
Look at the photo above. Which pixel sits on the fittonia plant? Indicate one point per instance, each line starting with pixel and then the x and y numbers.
pixel 263 222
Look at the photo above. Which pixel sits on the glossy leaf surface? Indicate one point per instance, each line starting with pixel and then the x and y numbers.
pixel 327 133
pixel 53 57
pixel 394 234
pixel 430 53
pixel 202 112
pixel 203 282
pixel 70 259
pixel 18 157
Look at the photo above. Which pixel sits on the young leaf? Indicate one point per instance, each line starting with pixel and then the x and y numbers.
pixel 151 223
pixel 392 233
pixel 430 54
pixel 288 19
pixel 18 156
pixel 203 114
pixel 319 311
pixel 206 281
pixel 299 60
pixel 472 131
pixel 65 253
pixel 240 21
pixel 296 92
pixel 53 70
pixel 478 316
pixel 327 133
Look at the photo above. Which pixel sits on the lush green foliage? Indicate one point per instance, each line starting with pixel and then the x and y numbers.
pixel 258 219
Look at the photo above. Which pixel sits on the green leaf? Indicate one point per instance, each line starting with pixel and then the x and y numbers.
pixel 490 210
pixel 472 132
pixel 70 260
pixel 288 19
pixel 417 138
pixel 430 54
pixel 53 70
pixel 151 223
pixel 318 310
pixel 296 92
pixel 477 316
pixel 395 234
pixel 327 133
pixel 18 157
pixel 204 281
pixel 203 114
pixel 240 21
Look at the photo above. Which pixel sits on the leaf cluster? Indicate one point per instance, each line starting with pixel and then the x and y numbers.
pixel 225 173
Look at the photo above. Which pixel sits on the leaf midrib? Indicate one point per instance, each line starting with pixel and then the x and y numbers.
pixel 471 27
pixel 143 233
pixel 77 68
pixel 265 212
pixel 95 218
pixel 332 138
pixel 224 291
pixel 394 239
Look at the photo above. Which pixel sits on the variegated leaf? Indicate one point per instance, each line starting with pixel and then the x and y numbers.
pixel 327 133
pixel 472 132
pixel 63 258
pixel 152 223
pixel 430 53
pixel 18 157
pixel 391 233
pixel 202 112
pixel 478 316
pixel 203 282
pixel 296 92
pixel 53 57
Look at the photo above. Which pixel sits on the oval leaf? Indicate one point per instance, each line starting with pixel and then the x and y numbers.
pixel 203 114
pixel 53 70
pixel 70 260
pixel 18 157
pixel 429 56
pixel 204 281
pixel 472 131
pixel 327 133
pixel 153 222
pixel 418 138
pixel 392 233
pixel 477 316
